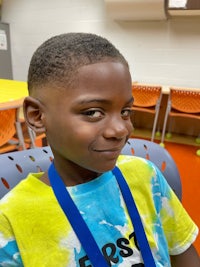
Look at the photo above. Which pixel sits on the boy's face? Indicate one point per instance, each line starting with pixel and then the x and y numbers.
pixel 87 126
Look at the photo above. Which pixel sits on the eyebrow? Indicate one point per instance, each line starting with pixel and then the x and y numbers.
pixel 102 101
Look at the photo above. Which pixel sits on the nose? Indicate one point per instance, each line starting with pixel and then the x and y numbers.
pixel 118 128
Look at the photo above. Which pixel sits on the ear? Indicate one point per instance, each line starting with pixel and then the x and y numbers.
pixel 33 114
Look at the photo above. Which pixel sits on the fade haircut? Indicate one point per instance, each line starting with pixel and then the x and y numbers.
pixel 57 60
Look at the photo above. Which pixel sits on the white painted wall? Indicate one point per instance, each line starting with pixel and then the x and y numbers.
pixel 159 52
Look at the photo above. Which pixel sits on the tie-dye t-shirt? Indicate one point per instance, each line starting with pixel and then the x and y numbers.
pixel 35 232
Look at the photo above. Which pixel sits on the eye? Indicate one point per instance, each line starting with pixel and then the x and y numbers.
pixel 93 113
pixel 126 113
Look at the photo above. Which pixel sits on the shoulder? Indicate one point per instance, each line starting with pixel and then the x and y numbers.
pixel 144 178
pixel 29 186
pixel 136 167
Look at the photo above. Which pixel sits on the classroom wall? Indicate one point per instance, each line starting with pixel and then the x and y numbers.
pixel 159 52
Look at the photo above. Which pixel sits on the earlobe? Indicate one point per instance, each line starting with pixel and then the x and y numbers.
pixel 33 114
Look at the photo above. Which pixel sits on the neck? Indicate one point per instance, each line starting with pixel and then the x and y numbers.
pixel 71 177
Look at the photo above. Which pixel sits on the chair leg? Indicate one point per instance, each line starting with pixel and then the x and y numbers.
pixel 198 142
pixel 155 119
pixel 154 127
pixel 32 137
pixel 165 121
pixel 20 134
pixel 168 134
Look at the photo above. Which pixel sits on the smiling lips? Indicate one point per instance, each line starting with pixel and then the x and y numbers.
pixel 111 152
pixel 108 150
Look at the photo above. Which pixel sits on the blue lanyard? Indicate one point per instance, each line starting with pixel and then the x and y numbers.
pixel 81 229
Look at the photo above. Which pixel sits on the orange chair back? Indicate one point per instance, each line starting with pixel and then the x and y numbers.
pixel 187 101
pixel 9 112
pixel 145 96
pixel 7 125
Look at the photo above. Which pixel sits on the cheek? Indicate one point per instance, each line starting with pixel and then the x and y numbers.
pixel 130 126
pixel 55 131
pixel 84 135
pixel 69 134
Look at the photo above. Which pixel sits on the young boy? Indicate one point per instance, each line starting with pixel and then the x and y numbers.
pixel 80 95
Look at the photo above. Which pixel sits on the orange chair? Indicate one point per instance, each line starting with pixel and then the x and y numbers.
pixel 147 98
pixel 11 136
pixel 182 103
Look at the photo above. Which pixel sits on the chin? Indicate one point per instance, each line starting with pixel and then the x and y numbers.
pixel 107 167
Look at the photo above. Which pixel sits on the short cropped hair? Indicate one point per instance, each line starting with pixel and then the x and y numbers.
pixel 57 60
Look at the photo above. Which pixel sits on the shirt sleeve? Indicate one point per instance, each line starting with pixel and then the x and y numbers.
pixel 168 217
pixel 179 228
pixel 9 252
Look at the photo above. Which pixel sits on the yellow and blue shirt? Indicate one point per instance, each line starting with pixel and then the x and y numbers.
pixel 34 231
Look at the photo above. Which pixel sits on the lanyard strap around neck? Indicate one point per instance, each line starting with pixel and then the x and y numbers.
pixel 75 218
pixel 135 218
pixel 81 229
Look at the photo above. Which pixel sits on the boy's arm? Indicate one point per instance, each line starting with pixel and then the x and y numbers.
pixel 189 258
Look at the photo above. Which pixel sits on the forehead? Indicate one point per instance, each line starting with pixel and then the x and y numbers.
pixel 103 83
pixel 103 73
pixel 95 80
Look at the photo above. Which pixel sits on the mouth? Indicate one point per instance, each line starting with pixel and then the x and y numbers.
pixel 113 149
pixel 111 152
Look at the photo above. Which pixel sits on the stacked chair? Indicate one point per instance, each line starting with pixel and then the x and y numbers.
pixel 14 133
pixel 183 103
pixel 147 98
pixel 11 135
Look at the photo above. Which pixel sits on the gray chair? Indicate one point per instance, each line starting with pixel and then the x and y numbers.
pixel 15 166
pixel 160 157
